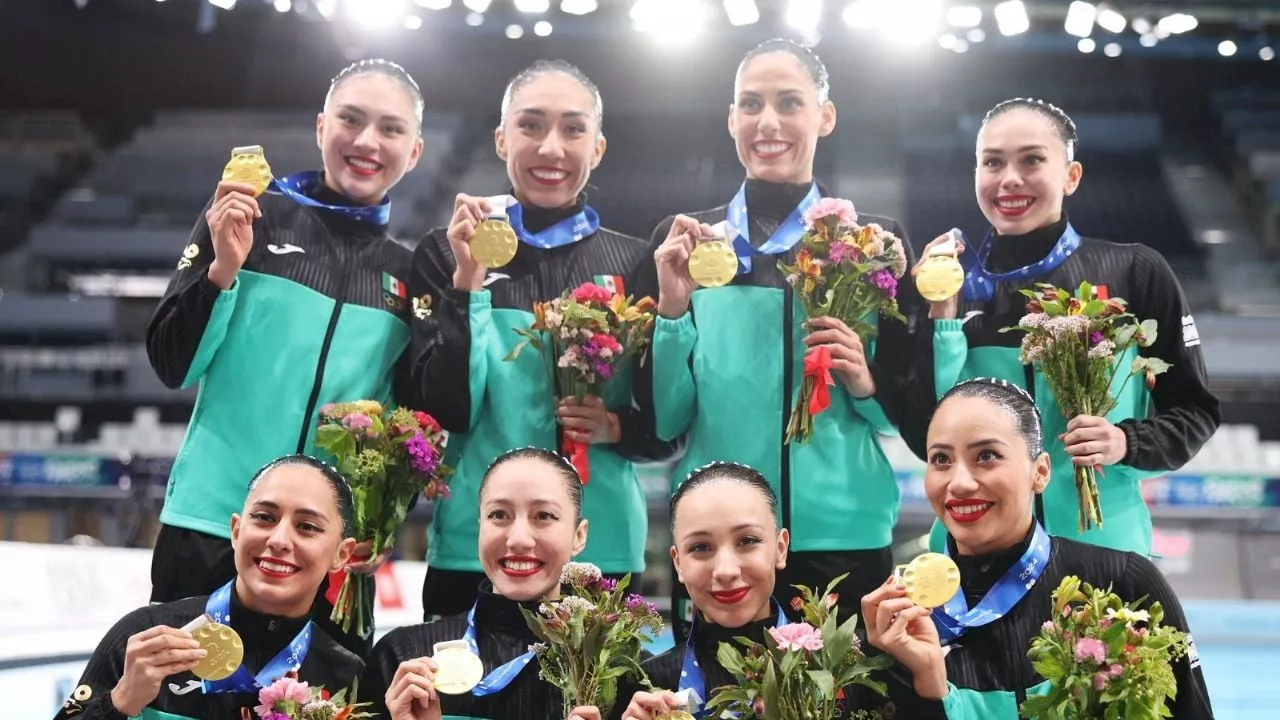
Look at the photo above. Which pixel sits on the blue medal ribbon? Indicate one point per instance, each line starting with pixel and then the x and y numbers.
pixel 782 239
pixel 566 232
pixel 955 617
pixel 242 681
pixel 691 675
pixel 297 187
pixel 502 676
pixel 980 284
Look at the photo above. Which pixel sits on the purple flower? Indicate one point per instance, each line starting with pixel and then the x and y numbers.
pixel 885 280
pixel 1095 337
pixel 603 368
pixel 1088 648
pixel 841 252
pixel 637 604
pixel 423 458
pixel 607 585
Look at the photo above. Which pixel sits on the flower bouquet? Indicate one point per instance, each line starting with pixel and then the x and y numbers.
pixel 845 271
pixel 592 636
pixel 801 669
pixel 1106 659
pixel 588 331
pixel 288 699
pixel 1076 341
pixel 388 458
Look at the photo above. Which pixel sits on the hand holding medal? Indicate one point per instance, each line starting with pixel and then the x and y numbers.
pixel 458 670
pixel 713 262
pixel 231 216
pixel 939 275
pixel 150 657
pixel 674 259
pixel 494 243
pixel 930 579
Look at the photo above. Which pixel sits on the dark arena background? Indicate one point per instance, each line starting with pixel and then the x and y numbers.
pixel 116 117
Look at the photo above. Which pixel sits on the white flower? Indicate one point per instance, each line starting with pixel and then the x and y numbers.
pixel 1033 320
pixel 573 603
pixel 1127 616
pixel 1103 349
pixel 1065 326
pixel 553 318
pixel 579 574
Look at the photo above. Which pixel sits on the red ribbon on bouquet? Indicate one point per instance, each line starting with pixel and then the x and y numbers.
pixel 577 454
pixel 817 365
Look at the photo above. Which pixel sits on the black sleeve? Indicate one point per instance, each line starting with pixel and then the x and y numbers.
pixel 91 700
pixel 1186 413
pixel 440 350
pixel 642 420
pixel 176 328
pixel 890 368
pixel 919 395
pixel 1143 578
pixel 378 673
pixel 636 423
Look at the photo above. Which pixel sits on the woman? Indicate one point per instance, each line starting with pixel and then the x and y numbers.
pixel 280 304
pixel 728 550
pixel 1025 169
pixel 532 524
pixel 550 140
pixel 292 532
pixel 727 362
pixel 985 452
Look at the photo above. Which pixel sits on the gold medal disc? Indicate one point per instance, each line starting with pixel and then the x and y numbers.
pixel 457 668
pixel 225 651
pixel 931 579
pixel 494 244
pixel 248 165
pixel 940 277
pixel 713 264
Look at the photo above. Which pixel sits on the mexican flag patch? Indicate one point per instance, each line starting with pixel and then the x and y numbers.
pixel 612 283
pixel 393 286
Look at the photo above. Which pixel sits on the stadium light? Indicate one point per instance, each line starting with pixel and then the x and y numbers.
pixel 542 28
pixel 964 16
pixel 375 14
pixel 533 6
pixel 1011 17
pixel 1110 20
pixel 1227 48
pixel 283 6
pixel 670 22
pixel 741 12
pixel 476 6
pixel 1086 45
pixel 1080 17
pixel 1266 53
pixel 435 4
pixel 1112 49
pixel 804 15
pixel 1178 23
pixel 578 7
pixel 224 4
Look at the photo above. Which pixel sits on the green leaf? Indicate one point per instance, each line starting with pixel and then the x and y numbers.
pixel 1158 366
pixel 731 660
pixel 824 681
pixel 1094 308
pixel 515 351
pixel 1149 332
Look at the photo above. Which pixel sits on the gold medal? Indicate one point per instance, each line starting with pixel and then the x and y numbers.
pixel 224 648
pixel 494 243
pixel 248 165
pixel 457 668
pixel 940 277
pixel 713 263
pixel 931 579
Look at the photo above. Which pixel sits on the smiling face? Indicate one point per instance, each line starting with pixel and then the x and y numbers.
pixel 980 477
pixel 528 529
pixel 550 140
pixel 727 551
pixel 289 538
pixel 777 118
pixel 1023 173
pixel 368 137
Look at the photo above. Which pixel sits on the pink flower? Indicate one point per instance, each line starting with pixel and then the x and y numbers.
pixel 1116 670
pixel 1091 648
pixel 588 292
pixel 797 636
pixel 830 600
pixel 284 689
pixel 357 422
pixel 1047 626
pixel 1100 681
pixel 827 207
pixel 841 252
